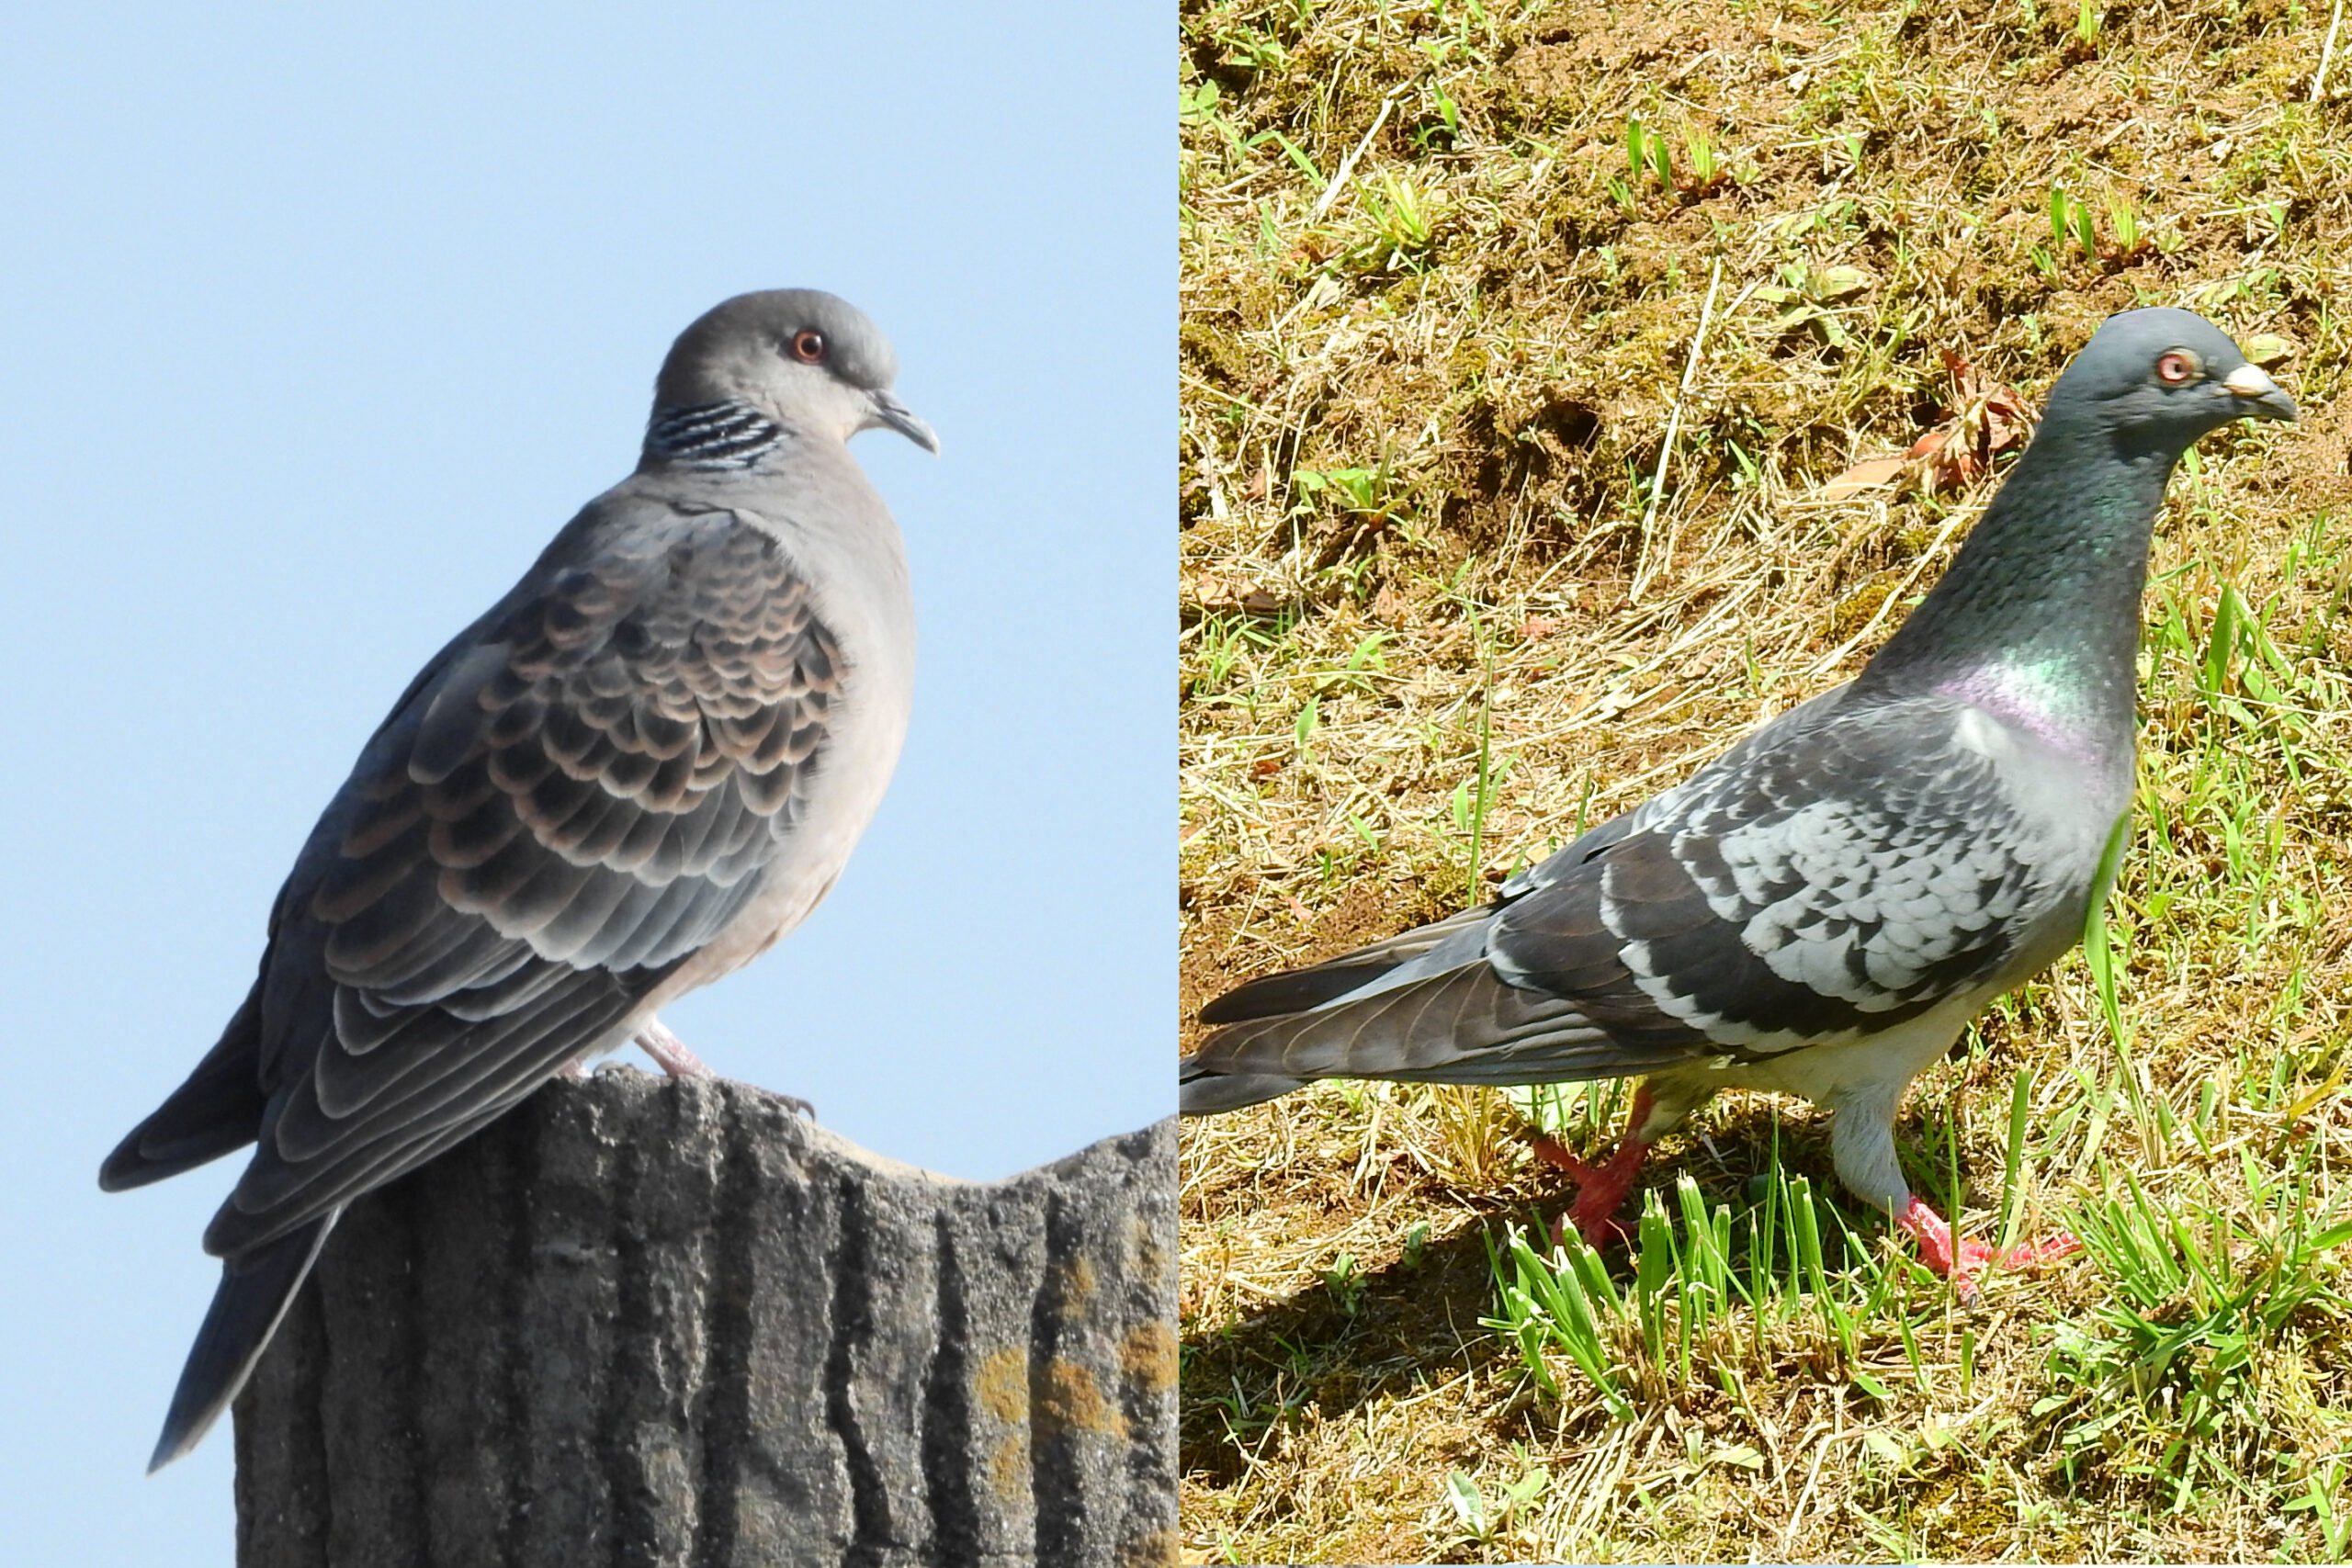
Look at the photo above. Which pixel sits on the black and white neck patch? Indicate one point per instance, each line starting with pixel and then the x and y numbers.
pixel 712 435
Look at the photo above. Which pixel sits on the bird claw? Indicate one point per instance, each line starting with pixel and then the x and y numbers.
pixel 1602 1190
pixel 1552 1152
pixel 2033 1253
pixel 1963 1261
pixel 678 1062
pixel 669 1052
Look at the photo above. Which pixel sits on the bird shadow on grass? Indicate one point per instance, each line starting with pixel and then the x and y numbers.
pixel 1421 1315
pixel 1360 1334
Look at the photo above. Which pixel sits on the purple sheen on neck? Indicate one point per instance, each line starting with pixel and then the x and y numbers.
pixel 2033 697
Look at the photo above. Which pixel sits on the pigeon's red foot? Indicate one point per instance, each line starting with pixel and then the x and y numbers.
pixel 1961 1261
pixel 1594 1213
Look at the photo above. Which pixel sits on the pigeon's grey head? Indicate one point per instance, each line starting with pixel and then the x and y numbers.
pixel 2160 377
pixel 808 359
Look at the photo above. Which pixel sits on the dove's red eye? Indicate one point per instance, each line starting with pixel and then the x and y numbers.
pixel 808 347
pixel 2176 367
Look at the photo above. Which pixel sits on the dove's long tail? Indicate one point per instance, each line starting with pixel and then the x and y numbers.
pixel 255 1289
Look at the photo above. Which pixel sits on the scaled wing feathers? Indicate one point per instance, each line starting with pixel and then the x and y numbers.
pixel 589 789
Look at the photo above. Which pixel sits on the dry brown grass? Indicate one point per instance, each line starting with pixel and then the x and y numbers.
pixel 1475 351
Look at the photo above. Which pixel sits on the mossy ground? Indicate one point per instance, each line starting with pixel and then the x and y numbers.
pixel 1463 478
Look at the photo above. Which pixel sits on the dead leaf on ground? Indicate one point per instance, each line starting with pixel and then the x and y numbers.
pixel 1982 419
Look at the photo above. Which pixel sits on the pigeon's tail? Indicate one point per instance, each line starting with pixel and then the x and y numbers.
pixel 1464 1025
pixel 1204 1089
pixel 1201 1093
pixel 1426 1006
pixel 1296 990
pixel 255 1289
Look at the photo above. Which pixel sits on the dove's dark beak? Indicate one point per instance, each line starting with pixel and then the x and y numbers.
pixel 890 411
pixel 2264 397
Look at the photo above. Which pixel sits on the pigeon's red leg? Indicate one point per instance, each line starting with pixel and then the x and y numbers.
pixel 1594 1213
pixel 1960 1260
pixel 669 1052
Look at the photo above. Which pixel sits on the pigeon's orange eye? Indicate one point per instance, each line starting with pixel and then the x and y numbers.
pixel 808 347
pixel 2176 367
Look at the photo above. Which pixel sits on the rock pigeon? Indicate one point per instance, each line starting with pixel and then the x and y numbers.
pixel 637 770
pixel 1821 910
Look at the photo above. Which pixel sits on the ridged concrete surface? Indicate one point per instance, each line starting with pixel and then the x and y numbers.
pixel 639 1322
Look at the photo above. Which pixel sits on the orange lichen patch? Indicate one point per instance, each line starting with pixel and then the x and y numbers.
pixel 1147 1254
pixel 1153 1550
pixel 1002 1384
pixel 1079 1286
pixel 1147 1356
pixel 1068 1397
pixel 1009 1466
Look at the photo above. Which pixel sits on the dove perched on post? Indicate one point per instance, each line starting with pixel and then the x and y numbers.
pixel 632 775
pixel 1823 909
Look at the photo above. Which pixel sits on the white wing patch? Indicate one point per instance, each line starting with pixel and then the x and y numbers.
pixel 1836 880
pixel 1834 874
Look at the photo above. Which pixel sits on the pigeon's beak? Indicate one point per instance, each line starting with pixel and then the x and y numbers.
pixel 2264 398
pixel 888 411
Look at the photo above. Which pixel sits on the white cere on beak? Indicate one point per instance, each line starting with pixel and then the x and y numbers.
pixel 2250 381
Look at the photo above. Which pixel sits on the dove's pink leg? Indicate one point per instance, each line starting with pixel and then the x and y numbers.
pixel 1605 1184
pixel 656 1041
pixel 670 1052
pixel 1959 1260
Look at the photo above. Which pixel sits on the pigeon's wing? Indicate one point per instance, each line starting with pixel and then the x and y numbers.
pixel 1846 868
pixel 216 1112
pixel 592 785
pixel 1835 877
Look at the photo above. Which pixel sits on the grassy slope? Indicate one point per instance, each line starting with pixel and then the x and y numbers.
pixel 1423 411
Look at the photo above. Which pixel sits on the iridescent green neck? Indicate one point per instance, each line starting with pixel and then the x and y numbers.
pixel 2066 701
pixel 2039 617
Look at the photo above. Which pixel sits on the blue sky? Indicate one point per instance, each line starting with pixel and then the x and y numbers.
pixel 316 328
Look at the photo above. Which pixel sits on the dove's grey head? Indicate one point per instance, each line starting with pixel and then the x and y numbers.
pixel 2160 377
pixel 795 359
